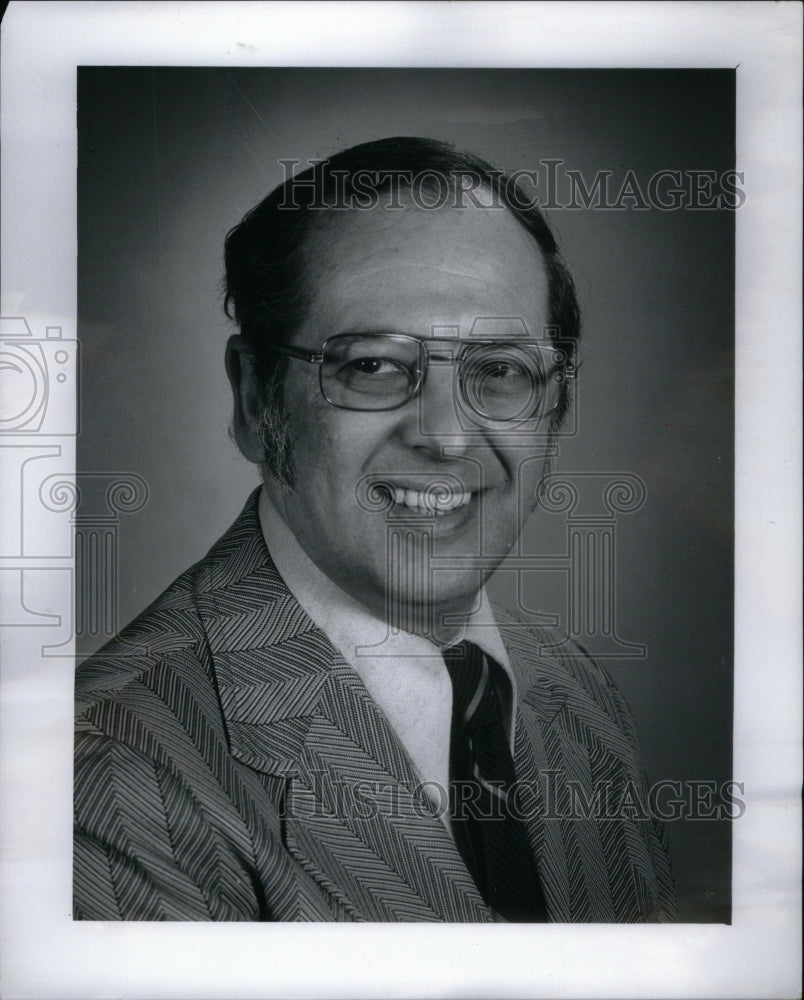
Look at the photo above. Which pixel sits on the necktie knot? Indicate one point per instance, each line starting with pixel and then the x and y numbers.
pixel 476 680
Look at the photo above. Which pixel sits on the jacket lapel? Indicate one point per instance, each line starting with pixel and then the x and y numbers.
pixel 568 750
pixel 354 818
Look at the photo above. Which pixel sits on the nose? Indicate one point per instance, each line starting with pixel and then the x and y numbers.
pixel 434 420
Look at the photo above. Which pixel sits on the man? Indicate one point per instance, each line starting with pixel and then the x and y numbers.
pixel 324 719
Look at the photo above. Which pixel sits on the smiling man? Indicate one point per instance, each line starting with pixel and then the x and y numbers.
pixel 325 719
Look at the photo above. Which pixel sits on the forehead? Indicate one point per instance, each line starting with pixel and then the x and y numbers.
pixel 410 269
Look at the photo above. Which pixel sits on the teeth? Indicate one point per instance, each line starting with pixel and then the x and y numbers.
pixel 427 502
pixel 451 502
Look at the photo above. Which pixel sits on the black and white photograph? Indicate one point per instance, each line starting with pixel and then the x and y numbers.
pixel 384 491
pixel 482 454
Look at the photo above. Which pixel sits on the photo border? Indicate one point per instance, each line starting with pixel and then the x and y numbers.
pixel 45 954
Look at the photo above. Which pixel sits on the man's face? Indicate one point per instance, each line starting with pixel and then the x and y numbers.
pixel 412 271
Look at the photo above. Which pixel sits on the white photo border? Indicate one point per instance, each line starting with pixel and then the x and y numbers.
pixel 45 954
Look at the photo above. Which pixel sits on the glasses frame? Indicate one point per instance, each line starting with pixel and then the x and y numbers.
pixel 565 372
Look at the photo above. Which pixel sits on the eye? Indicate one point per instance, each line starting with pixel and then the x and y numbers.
pixel 502 369
pixel 374 366
pixel 501 374
pixel 372 375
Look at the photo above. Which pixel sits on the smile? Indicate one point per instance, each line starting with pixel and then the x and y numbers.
pixel 437 502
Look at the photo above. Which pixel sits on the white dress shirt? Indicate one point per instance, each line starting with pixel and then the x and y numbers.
pixel 405 674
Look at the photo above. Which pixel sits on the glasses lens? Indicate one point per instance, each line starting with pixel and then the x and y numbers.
pixel 503 381
pixel 369 372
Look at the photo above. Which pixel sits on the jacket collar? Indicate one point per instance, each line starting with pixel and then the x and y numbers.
pixel 272 664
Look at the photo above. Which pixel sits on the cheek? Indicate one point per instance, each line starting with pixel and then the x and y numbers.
pixel 309 421
pixel 525 469
pixel 329 450
pixel 310 434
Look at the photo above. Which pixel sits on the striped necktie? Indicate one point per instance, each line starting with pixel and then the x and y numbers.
pixel 490 836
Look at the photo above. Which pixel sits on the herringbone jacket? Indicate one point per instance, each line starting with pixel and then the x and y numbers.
pixel 230 765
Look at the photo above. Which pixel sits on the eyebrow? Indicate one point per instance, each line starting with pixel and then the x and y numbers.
pixel 369 332
pixel 373 331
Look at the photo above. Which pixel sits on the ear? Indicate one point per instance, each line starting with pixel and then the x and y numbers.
pixel 243 380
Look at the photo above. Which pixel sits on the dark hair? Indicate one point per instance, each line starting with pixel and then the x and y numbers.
pixel 266 281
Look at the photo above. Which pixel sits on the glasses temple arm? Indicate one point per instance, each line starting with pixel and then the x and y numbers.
pixel 311 357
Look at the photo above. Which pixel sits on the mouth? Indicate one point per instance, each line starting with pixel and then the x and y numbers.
pixel 436 501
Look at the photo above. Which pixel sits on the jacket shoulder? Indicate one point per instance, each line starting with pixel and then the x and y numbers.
pixel 549 662
pixel 170 637
pixel 164 824
pixel 168 631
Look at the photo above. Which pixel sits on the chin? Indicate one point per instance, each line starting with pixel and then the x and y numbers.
pixel 425 606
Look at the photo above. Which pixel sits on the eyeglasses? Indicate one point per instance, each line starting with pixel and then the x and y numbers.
pixel 496 380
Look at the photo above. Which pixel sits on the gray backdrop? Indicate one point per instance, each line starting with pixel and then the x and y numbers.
pixel 170 159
